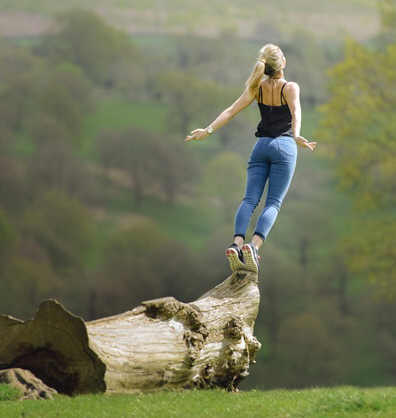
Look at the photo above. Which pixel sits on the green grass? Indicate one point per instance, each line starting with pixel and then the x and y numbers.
pixel 116 114
pixel 345 402
pixel 8 393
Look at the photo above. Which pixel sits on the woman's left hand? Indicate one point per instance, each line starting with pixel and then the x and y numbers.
pixel 305 143
pixel 197 134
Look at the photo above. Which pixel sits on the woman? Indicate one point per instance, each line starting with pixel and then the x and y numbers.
pixel 274 155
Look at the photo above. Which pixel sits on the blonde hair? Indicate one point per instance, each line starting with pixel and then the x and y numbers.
pixel 269 61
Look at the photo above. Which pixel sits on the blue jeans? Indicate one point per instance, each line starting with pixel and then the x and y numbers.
pixel 273 159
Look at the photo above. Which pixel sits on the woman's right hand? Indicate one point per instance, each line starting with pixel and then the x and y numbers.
pixel 196 134
pixel 305 143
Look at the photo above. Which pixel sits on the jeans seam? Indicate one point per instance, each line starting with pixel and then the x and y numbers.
pixel 277 144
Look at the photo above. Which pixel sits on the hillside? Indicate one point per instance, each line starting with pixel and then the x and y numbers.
pixel 253 19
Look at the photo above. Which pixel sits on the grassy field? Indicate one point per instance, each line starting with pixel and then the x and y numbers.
pixel 118 114
pixel 345 402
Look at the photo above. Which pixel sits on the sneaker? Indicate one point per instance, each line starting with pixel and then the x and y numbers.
pixel 235 257
pixel 251 257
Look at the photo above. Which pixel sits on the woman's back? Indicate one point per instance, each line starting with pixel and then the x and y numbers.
pixel 271 92
pixel 276 118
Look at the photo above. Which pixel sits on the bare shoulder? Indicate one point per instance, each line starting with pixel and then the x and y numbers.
pixel 292 86
pixel 292 91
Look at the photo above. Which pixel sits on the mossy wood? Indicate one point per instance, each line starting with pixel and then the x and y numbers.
pixel 162 343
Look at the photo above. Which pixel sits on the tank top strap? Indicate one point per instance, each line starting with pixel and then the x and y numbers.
pixel 282 96
pixel 260 95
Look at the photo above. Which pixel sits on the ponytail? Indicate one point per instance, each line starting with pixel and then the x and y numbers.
pixel 256 75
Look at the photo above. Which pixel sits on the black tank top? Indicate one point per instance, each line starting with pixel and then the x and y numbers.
pixel 275 120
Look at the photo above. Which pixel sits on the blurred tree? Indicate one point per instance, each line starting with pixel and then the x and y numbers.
pixel 16 61
pixel 150 160
pixel 107 55
pixel 54 165
pixel 26 283
pixel 31 89
pixel 17 86
pixel 13 187
pixel 371 250
pixel 175 167
pixel 387 10
pixel 26 276
pixel 211 59
pixel 307 61
pixel 142 263
pixel 190 100
pixel 63 94
pixel 387 32
pixel 223 183
pixel 131 150
pixel 314 355
pixel 282 292
pixel 63 227
pixel 8 239
pixel 62 101
pixel 193 51
pixel 358 121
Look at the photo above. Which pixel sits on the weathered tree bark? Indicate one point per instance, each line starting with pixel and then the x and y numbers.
pixel 162 343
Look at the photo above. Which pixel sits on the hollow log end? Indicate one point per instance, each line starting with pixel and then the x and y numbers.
pixel 54 347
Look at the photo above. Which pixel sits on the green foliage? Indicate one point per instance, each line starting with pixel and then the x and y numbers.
pixel 306 333
pixel 28 279
pixel 358 122
pixel 175 167
pixel 149 159
pixel 17 90
pixel 131 151
pixel 12 184
pixel 387 10
pixel 8 238
pixel 223 183
pixel 64 97
pixel 186 97
pixel 372 251
pixel 40 102
pixel 138 254
pixel 105 54
pixel 307 61
pixel 62 226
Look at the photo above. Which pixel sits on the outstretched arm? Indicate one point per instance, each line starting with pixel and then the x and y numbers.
pixel 225 116
pixel 293 100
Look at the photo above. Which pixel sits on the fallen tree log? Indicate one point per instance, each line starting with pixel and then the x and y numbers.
pixel 162 343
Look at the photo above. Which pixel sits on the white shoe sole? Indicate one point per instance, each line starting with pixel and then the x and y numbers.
pixel 233 259
pixel 249 258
